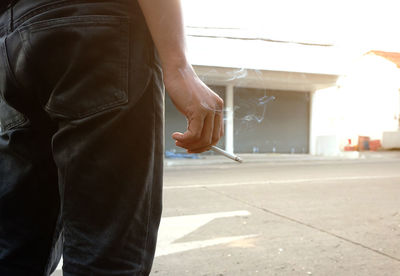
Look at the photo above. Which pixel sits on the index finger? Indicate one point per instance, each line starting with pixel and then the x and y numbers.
pixel 193 132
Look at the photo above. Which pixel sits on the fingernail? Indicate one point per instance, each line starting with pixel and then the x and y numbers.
pixel 176 136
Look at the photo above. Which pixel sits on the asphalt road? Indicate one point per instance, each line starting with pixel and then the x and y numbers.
pixel 307 217
pixel 285 216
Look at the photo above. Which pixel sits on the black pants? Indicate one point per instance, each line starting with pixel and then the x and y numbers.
pixel 81 139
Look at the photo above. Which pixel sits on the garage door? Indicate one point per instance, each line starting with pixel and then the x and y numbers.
pixel 264 125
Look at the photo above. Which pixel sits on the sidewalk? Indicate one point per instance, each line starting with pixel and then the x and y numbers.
pixel 211 159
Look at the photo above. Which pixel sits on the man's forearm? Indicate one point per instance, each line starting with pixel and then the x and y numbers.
pixel 200 105
pixel 165 21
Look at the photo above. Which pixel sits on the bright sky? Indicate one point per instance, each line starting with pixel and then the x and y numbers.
pixel 369 24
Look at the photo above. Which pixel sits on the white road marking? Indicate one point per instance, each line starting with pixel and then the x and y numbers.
pixel 180 247
pixel 286 181
pixel 175 228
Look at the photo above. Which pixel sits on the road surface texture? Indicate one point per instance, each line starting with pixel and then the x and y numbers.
pixel 281 215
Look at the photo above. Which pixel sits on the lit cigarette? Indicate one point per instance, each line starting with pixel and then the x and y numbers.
pixel 226 154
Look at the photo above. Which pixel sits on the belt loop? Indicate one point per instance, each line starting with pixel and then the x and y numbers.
pixel 10 16
pixel 11 27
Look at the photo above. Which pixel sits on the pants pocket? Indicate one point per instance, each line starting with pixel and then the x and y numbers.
pixel 81 62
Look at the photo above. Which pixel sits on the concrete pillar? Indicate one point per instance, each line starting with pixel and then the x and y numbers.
pixel 229 123
pixel 312 146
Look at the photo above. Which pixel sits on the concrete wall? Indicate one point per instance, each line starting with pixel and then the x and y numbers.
pixel 391 140
pixel 370 103
pixel 326 121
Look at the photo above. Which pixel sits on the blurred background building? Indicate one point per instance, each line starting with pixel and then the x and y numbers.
pixel 297 76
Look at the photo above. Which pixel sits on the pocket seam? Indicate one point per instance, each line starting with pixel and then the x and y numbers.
pixel 63 112
pixel 20 120
pixel 84 20
pixel 44 8
pixel 16 120
pixel 106 20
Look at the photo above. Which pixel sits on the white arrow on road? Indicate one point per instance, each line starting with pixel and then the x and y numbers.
pixel 175 228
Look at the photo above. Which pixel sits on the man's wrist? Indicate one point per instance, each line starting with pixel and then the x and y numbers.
pixel 176 64
pixel 178 71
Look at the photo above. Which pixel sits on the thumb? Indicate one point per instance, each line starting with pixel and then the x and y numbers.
pixel 177 136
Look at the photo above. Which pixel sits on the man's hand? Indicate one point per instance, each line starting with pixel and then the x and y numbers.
pixel 202 108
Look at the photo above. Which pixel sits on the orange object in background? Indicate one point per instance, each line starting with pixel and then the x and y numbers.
pixel 349 147
pixel 363 143
pixel 375 145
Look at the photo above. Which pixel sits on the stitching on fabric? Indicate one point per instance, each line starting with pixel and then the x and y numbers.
pixel 14 122
pixel 44 8
pixel 7 27
pixel 8 65
pixel 89 112
pixel 83 20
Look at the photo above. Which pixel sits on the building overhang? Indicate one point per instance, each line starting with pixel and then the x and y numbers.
pixel 265 79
